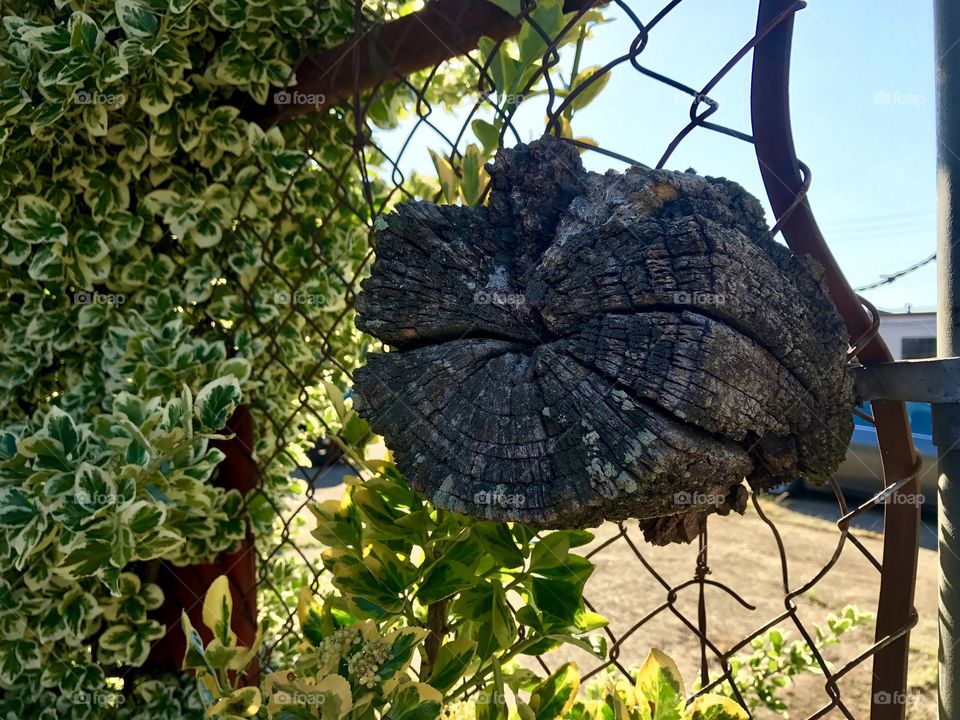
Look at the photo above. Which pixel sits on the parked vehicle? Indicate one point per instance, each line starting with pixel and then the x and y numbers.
pixel 861 474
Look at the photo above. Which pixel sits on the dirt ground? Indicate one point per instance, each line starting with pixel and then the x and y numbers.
pixel 743 556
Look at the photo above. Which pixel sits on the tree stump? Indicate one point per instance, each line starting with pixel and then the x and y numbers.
pixel 600 347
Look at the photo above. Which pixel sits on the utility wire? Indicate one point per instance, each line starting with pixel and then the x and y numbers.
pixel 887 279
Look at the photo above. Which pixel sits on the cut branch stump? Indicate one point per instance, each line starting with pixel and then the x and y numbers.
pixel 600 347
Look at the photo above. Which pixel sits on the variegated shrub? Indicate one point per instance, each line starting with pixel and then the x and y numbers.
pixel 154 248
pixel 149 238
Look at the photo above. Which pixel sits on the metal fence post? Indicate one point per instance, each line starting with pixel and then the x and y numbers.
pixel 946 416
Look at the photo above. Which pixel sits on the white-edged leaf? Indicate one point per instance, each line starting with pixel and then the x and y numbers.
pixel 136 20
pixel 216 402
pixel 85 34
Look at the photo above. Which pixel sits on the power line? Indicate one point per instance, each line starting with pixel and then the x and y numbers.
pixel 887 279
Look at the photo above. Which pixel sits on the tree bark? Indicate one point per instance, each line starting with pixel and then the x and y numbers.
pixel 600 347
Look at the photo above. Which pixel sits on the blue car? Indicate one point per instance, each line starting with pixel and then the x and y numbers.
pixel 861 474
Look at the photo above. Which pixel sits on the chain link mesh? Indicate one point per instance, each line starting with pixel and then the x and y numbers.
pixel 375 177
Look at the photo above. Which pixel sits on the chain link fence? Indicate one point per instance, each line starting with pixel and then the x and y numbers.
pixel 386 166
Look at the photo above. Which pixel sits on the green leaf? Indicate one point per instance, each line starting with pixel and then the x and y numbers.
pixel 225 130
pixel 59 426
pixel 452 661
pixel 714 707
pixel 50 40
pixel 415 701
pixel 550 551
pixel 554 697
pixel 104 193
pixel 504 70
pixel 205 234
pixel 332 694
pixel 336 397
pixel 95 119
pixel 660 686
pixel 546 21
pixel 16 657
pixel 503 625
pixel 216 402
pixel 403 643
pixel 90 246
pixel 492 701
pixel 231 13
pixel 587 85
pixel 85 34
pixel 525 712
pixel 77 609
pixel 475 178
pixel 313 617
pixel 444 579
pixel 379 514
pixel 195 656
pixel 49 453
pixel 560 600
pixel 8 445
pixel 136 20
pixel 356 431
pixel 183 216
pixel 72 69
pixel 36 221
pixel 16 252
pixel 449 181
pixel 16 510
pixel 240 703
pixel 134 274
pixel 52 626
pixel 579 642
pixel 48 113
pixel 498 542
pixel 112 69
pixel 131 644
pixel 487 133
pixel 45 266
pixel 586 621
pixel 218 611
pixel 123 229
pixel 156 98
pixel 143 516
pixel 95 487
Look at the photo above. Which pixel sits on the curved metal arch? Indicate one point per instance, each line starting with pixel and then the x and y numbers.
pixel 786 189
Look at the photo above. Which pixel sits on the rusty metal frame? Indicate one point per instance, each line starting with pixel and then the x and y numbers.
pixel 786 186
pixel 442 30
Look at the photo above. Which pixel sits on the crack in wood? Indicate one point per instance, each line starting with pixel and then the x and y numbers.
pixel 600 347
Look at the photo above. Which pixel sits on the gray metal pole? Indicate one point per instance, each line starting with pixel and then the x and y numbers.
pixel 946 416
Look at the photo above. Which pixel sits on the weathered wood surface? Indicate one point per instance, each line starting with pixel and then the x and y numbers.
pixel 600 347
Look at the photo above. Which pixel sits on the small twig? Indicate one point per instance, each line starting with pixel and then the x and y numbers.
pixel 437 624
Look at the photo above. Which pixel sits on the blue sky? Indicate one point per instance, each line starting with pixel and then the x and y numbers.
pixel 863 116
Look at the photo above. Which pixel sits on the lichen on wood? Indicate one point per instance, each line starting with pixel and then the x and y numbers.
pixel 594 347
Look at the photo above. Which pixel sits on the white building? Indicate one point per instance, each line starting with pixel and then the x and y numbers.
pixel 909 335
